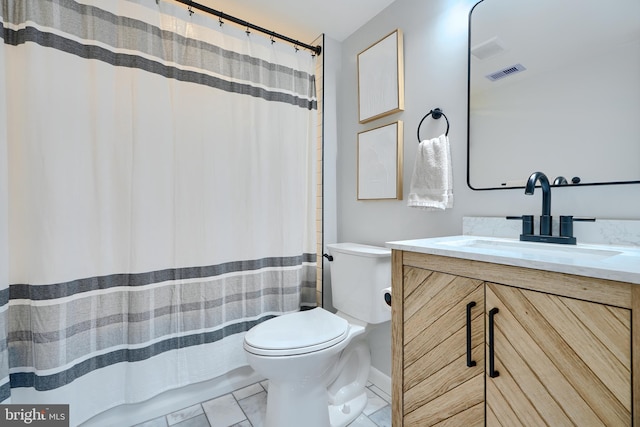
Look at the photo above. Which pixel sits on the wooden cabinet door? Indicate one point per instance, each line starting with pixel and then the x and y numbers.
pixel 438 386
pixel 561 361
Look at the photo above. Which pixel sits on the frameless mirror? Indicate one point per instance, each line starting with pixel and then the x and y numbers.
pixel 554 86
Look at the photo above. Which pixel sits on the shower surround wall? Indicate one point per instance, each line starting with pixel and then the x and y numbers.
pixel 158 197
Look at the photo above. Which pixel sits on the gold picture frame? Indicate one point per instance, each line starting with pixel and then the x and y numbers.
pixel 381 78
pixel 380 163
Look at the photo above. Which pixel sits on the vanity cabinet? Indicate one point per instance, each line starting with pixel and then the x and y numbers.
pixel 476 342
pixel 443 349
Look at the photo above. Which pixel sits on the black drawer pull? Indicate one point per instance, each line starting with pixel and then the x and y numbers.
pixel 492 372
pixel 470 362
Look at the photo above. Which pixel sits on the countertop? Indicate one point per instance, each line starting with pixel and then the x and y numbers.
pixel 621 263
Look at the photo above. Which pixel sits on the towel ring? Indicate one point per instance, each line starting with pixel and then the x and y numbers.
pixel 436 113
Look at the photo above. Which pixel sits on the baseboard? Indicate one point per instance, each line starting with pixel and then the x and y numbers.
pixel 174 400
pixel 380 380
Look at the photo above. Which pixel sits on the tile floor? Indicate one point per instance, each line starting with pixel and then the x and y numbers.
pixel 246 407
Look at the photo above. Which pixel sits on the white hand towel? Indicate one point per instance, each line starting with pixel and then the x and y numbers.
pixel 432 180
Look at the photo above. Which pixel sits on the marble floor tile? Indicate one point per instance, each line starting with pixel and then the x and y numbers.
pixel 184 414
pixel 374 403
pixel 197 421
pixel 248 391
pixel 223 411
pixel 362 421
pixel 156 422
pixel 247 407
pixel 382 418
pixel 380 393
pixel 255 407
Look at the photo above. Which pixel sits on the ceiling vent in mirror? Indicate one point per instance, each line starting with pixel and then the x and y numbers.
pixel 505 72
pixel 487 49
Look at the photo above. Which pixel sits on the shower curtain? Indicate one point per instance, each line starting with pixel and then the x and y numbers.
pixel 157 178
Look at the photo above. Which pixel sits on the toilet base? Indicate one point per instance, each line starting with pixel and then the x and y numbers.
pixel 341 415
pixel 308 406
pixel 293 405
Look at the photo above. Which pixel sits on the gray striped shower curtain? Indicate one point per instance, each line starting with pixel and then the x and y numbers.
pixel 157 178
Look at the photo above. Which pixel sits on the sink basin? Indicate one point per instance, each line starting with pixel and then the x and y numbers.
pixel 531 249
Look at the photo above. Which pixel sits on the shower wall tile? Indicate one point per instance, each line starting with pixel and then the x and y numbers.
pixel 319 178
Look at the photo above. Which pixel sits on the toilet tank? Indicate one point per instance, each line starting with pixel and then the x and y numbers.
pixel 359 273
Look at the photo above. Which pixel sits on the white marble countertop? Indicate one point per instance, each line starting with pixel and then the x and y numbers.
pixel 621 263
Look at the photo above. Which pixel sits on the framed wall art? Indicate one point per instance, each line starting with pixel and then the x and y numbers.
pixel 380 163
pixel 381 78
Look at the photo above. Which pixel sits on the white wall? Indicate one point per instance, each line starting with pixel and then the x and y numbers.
pixel 435 53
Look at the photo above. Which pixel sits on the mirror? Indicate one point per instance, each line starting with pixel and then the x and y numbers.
pixel 554 86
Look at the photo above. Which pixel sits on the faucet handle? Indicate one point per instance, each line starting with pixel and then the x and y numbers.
pixel 566 224
pixel 527 223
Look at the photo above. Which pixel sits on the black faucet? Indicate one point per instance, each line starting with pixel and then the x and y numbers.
pixel 566 222
pixel 545 218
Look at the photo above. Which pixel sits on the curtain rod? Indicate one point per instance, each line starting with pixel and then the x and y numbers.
pixel 315 49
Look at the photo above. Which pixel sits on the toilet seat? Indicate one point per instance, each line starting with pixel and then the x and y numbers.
pixel 296 333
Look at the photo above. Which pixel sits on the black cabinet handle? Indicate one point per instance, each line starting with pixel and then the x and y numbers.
pixel 470 362
pixel 492 372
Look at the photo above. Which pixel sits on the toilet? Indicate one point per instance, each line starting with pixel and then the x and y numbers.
pixel 317 362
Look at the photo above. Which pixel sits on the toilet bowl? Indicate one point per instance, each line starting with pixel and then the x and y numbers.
pixel 317 362
pixel 308 381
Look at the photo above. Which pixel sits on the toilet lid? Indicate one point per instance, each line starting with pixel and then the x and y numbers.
pixel 296 333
